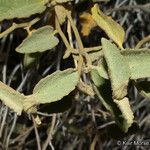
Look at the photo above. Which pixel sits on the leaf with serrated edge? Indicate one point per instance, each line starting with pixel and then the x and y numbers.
pixel 111 27
pixel 11 98
pixel 10 9
pixel 118 69
pixel 53 87
pixel 40 40
pixel 127 113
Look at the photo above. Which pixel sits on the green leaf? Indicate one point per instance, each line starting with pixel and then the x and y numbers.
pixel 97 79
pixel 61 13
pixel 120 109
pixel 103 86
pixel 127 114
pixel 139 62
pixel 10 9
pixel 53 88
pixel 11 98
pixel 39 41
pixel 62 1
pixel 118 69
pixel 111 27
pixel 102 68
pixel 30 59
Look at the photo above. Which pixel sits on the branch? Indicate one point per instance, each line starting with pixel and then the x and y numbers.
pixel 16 26
pixel 143 41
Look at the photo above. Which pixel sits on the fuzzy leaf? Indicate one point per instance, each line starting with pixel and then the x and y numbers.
pixel 118 69
pixel 10 9
pixel 102 69
pixel 112 28
pixel 97 79
pixel 104 88
pixel 61 13
pixel 11 98
pixel 39 41
pixel 120 109
pixel 53 88
pixel 127 113
pixel 62 1
pixel 139 62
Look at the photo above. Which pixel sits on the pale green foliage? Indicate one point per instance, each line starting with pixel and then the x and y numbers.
pixel 111 27
pixel 97 79
pixel 118 69
pixel 10 9
pixel 102 68
pixel 62 1
pixel 119 108
pixel 53 88
pixel 56 85
pixel 11 98
pixel 100 83
pixel 110 76
pixel 127 113
pixel 40 40
pixel 139 62
pixel 61 13
pixel 30 59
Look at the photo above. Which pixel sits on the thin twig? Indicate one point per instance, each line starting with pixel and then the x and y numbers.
pixel 50 133
pixel 36 134
pixel 4 72
pixel 11 131
pixel 16 26
pixel 62 35
pixel 143 41
pixel 79 41
pixel 88 49
pixel 25 134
